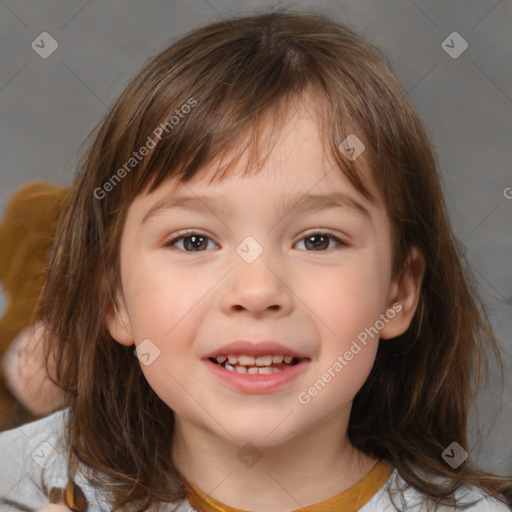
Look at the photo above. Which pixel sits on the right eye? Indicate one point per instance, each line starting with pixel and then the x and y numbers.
pixel 192 241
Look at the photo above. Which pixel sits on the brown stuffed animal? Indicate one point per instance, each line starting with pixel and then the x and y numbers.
pixel 26 236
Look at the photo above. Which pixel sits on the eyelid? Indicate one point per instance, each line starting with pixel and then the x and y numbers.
pixel 320 231
pixel 179 235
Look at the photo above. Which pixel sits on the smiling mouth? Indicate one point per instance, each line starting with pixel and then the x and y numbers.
pixel 255 365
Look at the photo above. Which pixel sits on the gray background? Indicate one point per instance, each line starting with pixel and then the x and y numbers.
pixel 49 106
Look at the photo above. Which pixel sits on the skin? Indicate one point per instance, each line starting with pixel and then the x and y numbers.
pixel 315 301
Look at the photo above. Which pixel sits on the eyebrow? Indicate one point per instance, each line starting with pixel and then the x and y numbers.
pixel 297 203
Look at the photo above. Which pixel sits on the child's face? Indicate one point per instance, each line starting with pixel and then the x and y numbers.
pixel 310 294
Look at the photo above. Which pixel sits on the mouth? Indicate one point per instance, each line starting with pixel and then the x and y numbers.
pixel 258 367
pixel 265 364
pixel 257 374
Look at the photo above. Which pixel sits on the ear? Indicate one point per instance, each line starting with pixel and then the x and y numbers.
pixel 118 323
pixel 404 295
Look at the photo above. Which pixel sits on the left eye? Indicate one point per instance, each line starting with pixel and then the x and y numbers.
pixel 318 240
pixel 195 242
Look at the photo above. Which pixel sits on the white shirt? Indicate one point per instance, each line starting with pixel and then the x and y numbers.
pixel 26 450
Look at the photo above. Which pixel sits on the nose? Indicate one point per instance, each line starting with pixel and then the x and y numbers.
pixel 257 288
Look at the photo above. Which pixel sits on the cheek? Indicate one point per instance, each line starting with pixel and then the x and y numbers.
pixel 347 309
pixel 161 296
pixel 166 307
pixel 334 389
pixel 353 301
pixel 174 375
pixel 348 298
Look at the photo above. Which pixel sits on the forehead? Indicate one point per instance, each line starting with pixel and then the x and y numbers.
pixel 285 158
pixel 298 174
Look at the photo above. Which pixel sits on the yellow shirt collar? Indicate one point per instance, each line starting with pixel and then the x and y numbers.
pixel 350 500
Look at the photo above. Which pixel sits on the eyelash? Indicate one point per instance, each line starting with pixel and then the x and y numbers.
pixel 181 235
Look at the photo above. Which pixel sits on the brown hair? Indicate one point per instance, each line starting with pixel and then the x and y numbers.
pixel 243 74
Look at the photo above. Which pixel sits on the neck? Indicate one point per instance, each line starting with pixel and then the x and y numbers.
pixel 303 470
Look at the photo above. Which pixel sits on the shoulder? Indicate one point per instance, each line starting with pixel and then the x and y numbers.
pixel 35 445
pixel 411 500
pixel 33 457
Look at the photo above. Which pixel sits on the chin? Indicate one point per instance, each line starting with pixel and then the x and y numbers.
pixel 262 430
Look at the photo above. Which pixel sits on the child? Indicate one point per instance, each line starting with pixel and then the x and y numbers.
pixel 255 297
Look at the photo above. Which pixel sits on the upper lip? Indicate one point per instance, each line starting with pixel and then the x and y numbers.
pixel 259 348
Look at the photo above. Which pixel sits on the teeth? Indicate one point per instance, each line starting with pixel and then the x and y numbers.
pixel 253 370
pixel 251 364
pixel 246 360
pixel 264 360
pixel 267 370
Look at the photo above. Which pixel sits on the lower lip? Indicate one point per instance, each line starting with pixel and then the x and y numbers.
pixel 257 384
